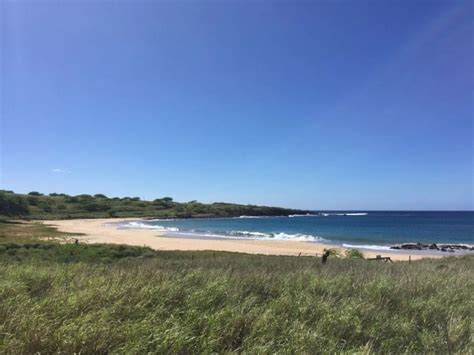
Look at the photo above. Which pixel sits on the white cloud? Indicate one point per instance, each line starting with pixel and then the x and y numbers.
pixel 57 171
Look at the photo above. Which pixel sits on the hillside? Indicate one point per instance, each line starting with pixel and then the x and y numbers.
pixel 61 206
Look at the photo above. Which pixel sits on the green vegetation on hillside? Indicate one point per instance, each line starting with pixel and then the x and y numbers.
pixel 61 206
pixel 66 298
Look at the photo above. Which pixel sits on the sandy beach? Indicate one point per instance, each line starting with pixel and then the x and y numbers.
pixel 106 231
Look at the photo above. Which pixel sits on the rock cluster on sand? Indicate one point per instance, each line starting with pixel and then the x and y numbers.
pixel 441 247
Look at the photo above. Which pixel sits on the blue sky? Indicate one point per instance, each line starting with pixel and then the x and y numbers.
pixel 322 104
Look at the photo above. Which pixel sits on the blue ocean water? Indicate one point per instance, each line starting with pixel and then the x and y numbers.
pixel 358 229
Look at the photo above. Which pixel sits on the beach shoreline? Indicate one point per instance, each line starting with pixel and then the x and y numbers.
pixel 106 231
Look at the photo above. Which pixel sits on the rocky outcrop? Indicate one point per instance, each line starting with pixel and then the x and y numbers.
pixel 450 248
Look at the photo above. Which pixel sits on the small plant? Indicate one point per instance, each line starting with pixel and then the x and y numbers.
pixel 354 254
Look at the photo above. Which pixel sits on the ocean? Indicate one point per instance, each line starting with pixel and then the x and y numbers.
pixel 357 229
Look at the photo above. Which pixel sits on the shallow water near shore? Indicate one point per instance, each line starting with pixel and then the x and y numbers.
pixel 354 229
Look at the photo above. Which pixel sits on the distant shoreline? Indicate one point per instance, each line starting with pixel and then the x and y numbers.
pixel 106 231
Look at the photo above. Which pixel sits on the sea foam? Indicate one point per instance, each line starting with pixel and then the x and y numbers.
pixel 225 235
pixel 370 247
pixel 324 214
pixel 140 225
pixel 303 215
pixel 276 236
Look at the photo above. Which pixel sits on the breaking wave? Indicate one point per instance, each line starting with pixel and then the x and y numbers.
pixel 344 214
pixel 224 234
pixel 140 225
pixel 303 215
pixel 276 236
pixel 370 247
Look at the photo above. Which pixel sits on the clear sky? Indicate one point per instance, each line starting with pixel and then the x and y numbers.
pixel 321 104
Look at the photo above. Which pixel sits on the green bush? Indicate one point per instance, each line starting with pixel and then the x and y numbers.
pixel 71 199
pixel 94 207
pixel 12 205
pixel 33 200
pixel 354 254
pixel 47 208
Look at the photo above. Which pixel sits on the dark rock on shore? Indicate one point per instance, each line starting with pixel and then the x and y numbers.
pixel 451 248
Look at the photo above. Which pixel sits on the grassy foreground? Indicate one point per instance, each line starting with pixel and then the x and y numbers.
pixel 103 298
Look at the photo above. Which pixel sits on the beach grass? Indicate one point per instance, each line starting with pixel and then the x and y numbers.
pixel 20 232
pixel 66 298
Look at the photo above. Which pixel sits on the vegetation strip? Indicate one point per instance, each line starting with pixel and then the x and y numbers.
pixel 35 205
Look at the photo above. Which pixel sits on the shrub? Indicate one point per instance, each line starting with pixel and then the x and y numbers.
pixel 71 199
pixel 12 205
pixel 33 200
pixel 95 207
pixel 54 194
pixel 354 254
pixel 35 193
pixel 47 208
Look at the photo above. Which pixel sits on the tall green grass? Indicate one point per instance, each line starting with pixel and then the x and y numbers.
pixel 100 299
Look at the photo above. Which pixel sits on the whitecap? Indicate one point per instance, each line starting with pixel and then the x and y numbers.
pixel 303 215
pixel 141 225
pixel 371 247
pixel 344 214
